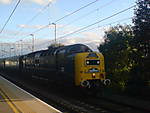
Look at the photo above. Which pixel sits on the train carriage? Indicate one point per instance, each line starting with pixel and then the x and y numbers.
pixel 75 65
pixel 12 63
pixel 2 64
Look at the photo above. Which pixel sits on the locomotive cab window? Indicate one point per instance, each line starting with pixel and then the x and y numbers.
pixel 79 49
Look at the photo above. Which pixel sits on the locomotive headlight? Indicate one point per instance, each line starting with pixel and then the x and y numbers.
pixel 98 62
pixel 87 62
pixel 93 75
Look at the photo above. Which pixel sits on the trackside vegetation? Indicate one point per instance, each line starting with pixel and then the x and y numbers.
pixel 127 53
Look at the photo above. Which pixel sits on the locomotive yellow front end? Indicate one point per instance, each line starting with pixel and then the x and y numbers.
pixel 90 70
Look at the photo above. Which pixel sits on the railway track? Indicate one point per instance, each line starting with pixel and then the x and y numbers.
pixel 73 102
pixel 54 98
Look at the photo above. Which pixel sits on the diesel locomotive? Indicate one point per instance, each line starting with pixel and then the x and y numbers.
pixel 75 65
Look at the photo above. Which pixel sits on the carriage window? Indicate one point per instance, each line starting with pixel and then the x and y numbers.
pixel 62 51
pixel 37 54
pixel 37 61
pixel 44 53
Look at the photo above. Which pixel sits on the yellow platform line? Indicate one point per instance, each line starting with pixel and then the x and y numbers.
pixel 9 102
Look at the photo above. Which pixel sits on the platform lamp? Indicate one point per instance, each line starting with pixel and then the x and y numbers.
pixel 55 32
pixel 32 42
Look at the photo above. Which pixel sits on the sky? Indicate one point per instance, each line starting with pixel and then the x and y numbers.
pixel 31 16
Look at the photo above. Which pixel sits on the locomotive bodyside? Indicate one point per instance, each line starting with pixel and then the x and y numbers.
pixel 74 65
pixel 12 64
pixel 2 64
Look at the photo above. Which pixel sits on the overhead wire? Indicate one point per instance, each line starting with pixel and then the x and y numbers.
pixel 35 16
pixel 121 20
pixel 36 31
pixel 104 25
pixel 96 22
pixel 91 12
pixel 61 37
pixel 39 12
pixel 76 11
pixel 66 15
pixel 83 27
pixel 10 16
pixel 108 3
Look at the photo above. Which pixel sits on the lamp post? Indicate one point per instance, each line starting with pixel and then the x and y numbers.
pixel 10 50
pixel 55 32
pixel 32 42
pixel 21 47
pixel 1 45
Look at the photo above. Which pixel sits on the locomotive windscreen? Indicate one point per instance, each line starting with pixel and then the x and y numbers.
pixel 79 49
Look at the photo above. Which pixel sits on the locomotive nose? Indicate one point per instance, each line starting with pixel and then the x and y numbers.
pixel 89 69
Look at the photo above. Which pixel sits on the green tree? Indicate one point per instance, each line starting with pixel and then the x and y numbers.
pixel 141 44
pixel 141 29
pixel 116 50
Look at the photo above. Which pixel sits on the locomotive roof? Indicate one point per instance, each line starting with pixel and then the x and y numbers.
pixel 75 45
pixel 52 50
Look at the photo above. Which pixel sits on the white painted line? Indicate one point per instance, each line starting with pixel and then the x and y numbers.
pixel 31 95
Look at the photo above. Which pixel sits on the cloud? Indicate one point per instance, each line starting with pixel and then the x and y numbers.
pixel 38 26
pixel 30 26
pixel 41 2
pixel 92 39
pixel 66 29
pixel 10 33
pixel 5 1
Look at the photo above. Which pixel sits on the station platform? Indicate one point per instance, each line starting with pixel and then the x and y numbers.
pixel 15 100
